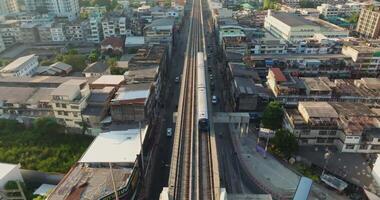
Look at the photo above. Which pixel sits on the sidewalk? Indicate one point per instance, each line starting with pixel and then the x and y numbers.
pixel 270 174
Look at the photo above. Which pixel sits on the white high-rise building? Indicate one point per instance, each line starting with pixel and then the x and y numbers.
pixel 61 8
pixel 8 6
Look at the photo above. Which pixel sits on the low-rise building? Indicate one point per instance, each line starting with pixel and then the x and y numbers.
pixel 2 44
pixel 101 171
pixel 295 28
pixel 366 59
pixel 96 69
pixel 132 103
pixel 10 32
pixel 69 100
pixel 291 89
pixel 108 81
pixel 112 45
pixel 23 66
pixel 114 26
pixel 97 109
pixel 55 69
pixel 11 173
pixel 160 31
pixel 351 127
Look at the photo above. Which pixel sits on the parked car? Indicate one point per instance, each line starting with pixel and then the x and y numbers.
pixel 214 99
pixel 169 132
pixel 177 79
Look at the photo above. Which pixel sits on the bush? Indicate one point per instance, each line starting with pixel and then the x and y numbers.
pixel 118 71
pixel 285 143
pixel 45 147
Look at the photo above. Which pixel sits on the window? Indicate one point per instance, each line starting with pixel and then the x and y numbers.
pixel 363 146
pixel 332 133
pixel 57 105
pixel 330 140
pixel 322 132
pixel 75 114
pixel 375 147
pixel 65 113
pixel 75 107
pixel 321 140
pixel 350 146
pixel 63 105
pixel 59 112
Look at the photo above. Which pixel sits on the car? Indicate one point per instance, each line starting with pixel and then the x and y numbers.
pixel 214 99
pixel 169 132
pixel 177 79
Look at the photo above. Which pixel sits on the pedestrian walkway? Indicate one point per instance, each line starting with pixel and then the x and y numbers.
pixel 270 174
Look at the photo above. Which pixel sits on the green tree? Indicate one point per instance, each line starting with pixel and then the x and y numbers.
pixel 353 18
pixel 93 57
pixel 272 116
pixel 111 62
pixel 78 62
pixel 47 125
pixel 285 142
pixel 118 71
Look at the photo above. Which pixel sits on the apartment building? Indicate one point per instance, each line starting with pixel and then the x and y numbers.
pixel 61 8
pixel 160 31
pixel 57 32
pixel 96 34
pixel 369 22
pixel 10 32
pixel 351 127
pixel 76 30
pixel 329 10
pixel 114 26
pixel 290 90
pixel 8 7
pixel 28 34
pixel 366 59
pixel 23 66
pixel 267 45
pixel 44 32
pixel 68 102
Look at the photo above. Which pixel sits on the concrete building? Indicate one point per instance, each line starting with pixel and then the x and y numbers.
pixel 57 32
pixel 9 172
pixel 28 34
pixel 114 26
pixel 96 69
pixel 112 45
pixel 131 103
pixel 55 69
pixel 366 59
pixel 44 32
pixel 369 22
pixel 97 109
pixel 68 101
pixel 160 31
pixel 267 45
pixel 25 103
pixel 96 33
pixel 76 30
pixel 61 8
pixel 351 127
pixel 10 32
pixel 23 66
pixel 290 90
pixel 103 81
pixel 122 148
pixel 295 28
pixel 8 7
pixel 328 10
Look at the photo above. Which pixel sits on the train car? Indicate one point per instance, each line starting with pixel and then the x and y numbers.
pixel 202 111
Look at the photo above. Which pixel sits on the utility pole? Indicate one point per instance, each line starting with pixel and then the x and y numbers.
pixel 113 182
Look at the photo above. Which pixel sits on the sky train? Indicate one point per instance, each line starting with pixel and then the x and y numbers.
pixel 202 111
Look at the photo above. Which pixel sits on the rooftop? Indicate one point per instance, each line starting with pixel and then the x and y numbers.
pixel 291 19
pixel 148 56
pixel 278 75
pixel 83 182
pixel 16 95
pixel 45 81
pixel 318 109
pixel 160 23
pixel 133 92
pixel 113 41
pixel 121 147
pixel 16 64
pixel 5 168
pixel 96 67
pixel 109 80
pixel 315 84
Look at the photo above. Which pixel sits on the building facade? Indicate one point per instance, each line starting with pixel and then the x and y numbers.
pixel 61 8
pixel 369 22
pixel 23 66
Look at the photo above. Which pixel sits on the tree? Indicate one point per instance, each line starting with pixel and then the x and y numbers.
pixel 118 71
pixel 353 19
pixel 77 61
pixel 93 57
pixel 47 125
pixel 111 62
pixel 285 142
pixel 272 116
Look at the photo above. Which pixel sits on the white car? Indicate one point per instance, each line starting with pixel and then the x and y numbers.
pixel 177 79
pixel 214 100
pixel 169 132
